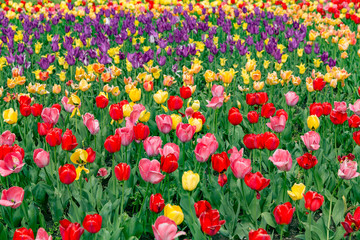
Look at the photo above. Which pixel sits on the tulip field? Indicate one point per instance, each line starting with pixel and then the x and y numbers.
pixel 170 119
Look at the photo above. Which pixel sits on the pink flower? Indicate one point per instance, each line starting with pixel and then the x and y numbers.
pixel 91 123
pixel 356 107
pixel 235 154
pixel 189 111
pixel 202 152
pixel 126 133
pixel 215 103
pixel 12 163
pixel 210 140
pixel 68 107
pixel 164 123
pixel 41 158
pixel 185 132
pixel 291 98
pixel 12 197
pixel 217 91
pixel 240 167
pixel 165 229
pixel 42 235
pixel 152 145
pixel 340 107
pixel 311 140
pixel 150 171
pixel 348 170
pixel 50 115
pixel 135 113
pixel 102 172
pixel 170 148
pixel 7 138
pixel 282 160
pixel 277 123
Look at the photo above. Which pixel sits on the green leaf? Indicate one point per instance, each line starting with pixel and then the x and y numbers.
pixel 269 219
pixel 338 212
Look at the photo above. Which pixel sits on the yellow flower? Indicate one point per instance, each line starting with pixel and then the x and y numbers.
pixel 266 64
pixel 227 76
pixel 160 96
pixel 343 44
pixel 84 85
pixel 278 66
pixel 197 123
pixel 56 89
pixel 296 81
pixel 223 61
pixel 258 86
pixel 259 54
pixel 176 119
pixel 344 55
pixel 210 76
pixel 38 46
pixel 144 116
pixel 255 75
pixel 300 52
pixel 79 157
pixel 175 213
pixel 317 62
pixel 250 65
pixel 127 109
pixel 297 191
pixel 190 180
pixel 313 122
pixel 135 94
pixel 74 100
pixel 302 68
pixel 284 58
pixel 10 116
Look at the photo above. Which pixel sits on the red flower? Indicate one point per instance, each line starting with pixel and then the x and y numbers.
pixel 319 84
pixel 261 98
pixel 356 137
pixel 220 162
pixel 17 148
pixel 113 143
pixel 4 150
pixel 141 131
pixel 235 117
pixel 199 115
pixel 259 234
pixel 70 231
pixel 222 179
pixel 175 103
pixel 327 108
pixel 25 110
pixel 23 234
pixel 201 206
pixel 92 223
pixel 352 222
pixel 250 99
pixel 116 112
pixel 68 141
pixel 67 173
pixel 282 112
pixel 271 141
pixel 91 155
pixel 101 101
pixel 169 163
pixel 185 92
pixel 337 117
pixel 316 109
pixel 313 200
pixel 256 182
pixel 354 121
pixel 283 213
pixel 249 140
pixel 24 99
pixel 36 109
pixel 53 137
pixel 44 128
pixel 157 203
pixel 268 110
pixel 57 106
pixel 210 222
pixel 122 171
pixel 253 117
pixel 307 161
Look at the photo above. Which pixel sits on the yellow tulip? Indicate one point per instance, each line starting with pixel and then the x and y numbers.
pixel 127 109
pixel 190 180
pixel 135 94
pixel 210 76
pixel 144 116
pixel 302 68
pixel 313 122
pixel 250 65
pixel 175 213
pixel 255 75
pixel 278 66
pixel 317 62
pixel 258 86
pixel 196 105
pixel 160 96
pixel 266 64
pixel 84 85
pixel 10 116
pixel 176 119
pixel 300 52
pixel 297 191
pixel 56 89
pixel 197 123
pixel 296 81
pixel 223 61
pixel 79 156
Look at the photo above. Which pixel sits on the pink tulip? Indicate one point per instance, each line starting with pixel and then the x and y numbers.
pixel 7 138
pixel 189 111
pixel 282 160
pixel 185 132
pixel 311 140
pixel 291 98
pixel 165 229
pixel 240 167
pixel 152 145
pixel 12 197
pixel 356 107
pixel 42 235
pixel 91 123
pixel 202 152
pixel 41 158
pixel 348 170
pixel 135 113
pixel 12 163
pixel 340 107
pixel 277 123
pixel 68 107
pixel 210 140
pixel 235 154
pixel 217 91
pixel 215 103
pixel 170 148
pixel 102 172
pixel 150 171
pixel 50 115
pixel 164 123
pixel 126 134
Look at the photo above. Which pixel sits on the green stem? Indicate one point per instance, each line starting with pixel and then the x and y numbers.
pixel 282 232
pixel 122 199
pixel 114 177
pixel 329 220
pixel 143 203
pixel 309 222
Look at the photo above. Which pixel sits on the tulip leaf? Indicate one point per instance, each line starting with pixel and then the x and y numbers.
pixel 338 211
pixel 269 219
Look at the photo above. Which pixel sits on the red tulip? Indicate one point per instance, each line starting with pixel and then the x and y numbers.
pixel 25 110
pixel 67 173
pixel 36 109
pixel 250 99
pixel 91 155
pixel 259 234
pixel 116 112
pixel 249 140
pixel 24 99
pixel 141 131
pixel 122 171
pixel 199 115
pixel 92 223
pixel 352 222
pixel 354 121
pixel 113 143
pixel 271 141
pixel 327 107
pixel 307 161
pixel 4 150
pixel 44 128
pixel 261 98
pixel 282 112
pixel 319 84
pixel 268 110
pixel 235 117
pixel 157 203
pixel 53 137
pixel 283 213
pixel 356 137
pixel 17 148
pixel 23 234
pixel 256 182
pixel 175 103
pixel 68 141
pixel 210 222
pixel 337 117
pixel 185 92
pixel 313 200
pixel 201 206
pixel 220 162
pixel 253 117
pixel 169 163
pixel 57 106
pixel 101 101
pixel 70 231
pixel 222 179
pixel 316 109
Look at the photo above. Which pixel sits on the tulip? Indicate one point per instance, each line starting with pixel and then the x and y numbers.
pixel 259 234
pixel 43 128
pixel 67 174
pixel 282 112
pixel 126 134
pixel 150 171
pixel 176 120
pixel 12 163
pixel 53 137
pixel 91 123
pixel 256 182
pixel 210 222
pixel 164 123
pixel 174 213
pixel 116 112
pixel 122 171
pixel 348 170
pixel 201 206
pixel 7 138
pixel 240 167
pixel 92 223
pixel 215 103
pixel 169 163
pixel 41 158
pixel 271 141
pixel 356 137
pixel 313 122
pixel 297 191
pixel 70 231
pixel 291 98
pixel 209 140
pixel 165 228
pixel 313 200
pixel 101 101
pixel 283 213
pixel 249 140
pixel 354 121
pixel 170 148
pixel 319 84
pixel 311 140
pixel 340 107
pixel 356 107
pixel 307 161
pixel 185 92
pixel 50 115
pixel 135 94
pixel 36 109
pixel 352 222
pixel 12 197
pixel 326 108
pixel 160 96
pixel 57 106
pixel 202 152
pixel 185 132
pixel 267 110
pixel 24 233
pixel 25 110
pixel 141 131
pixel 152 145
pixel 337 117
pixel 113 143
pixel 4 150
pixel 68 141
pixel 102 172
pixel 316 109
pixel 253 117
pixel 234 116
pixel 277 124
pixel 10 116
pixel 175 103
pixel 220 162
pixel 282 160
pixel 222 179
pixel 190 180
pixel 157 203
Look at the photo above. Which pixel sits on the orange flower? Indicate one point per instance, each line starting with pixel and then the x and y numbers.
pixel 44 76
pixel 98 68
pixel 106 77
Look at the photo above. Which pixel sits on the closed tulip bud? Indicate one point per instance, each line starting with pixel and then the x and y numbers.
pixel 253 117
pixel 313 122
pixel 197 123
pixel 116 112
pixel 313 200
pixel 36 109
pixel 164 123
pixel 201 206
pixel 113 143
pixel 210 222
pixel 259 234
pixel 190 180
pixel 234 116
pixel 176 119
pixel 297 191
pixel 56 89
pixel 175 213
pixel 53 137
pixel 10 116
pixel 156 203
pixel 25 110
pixel 175 103
pixel 92 223
pixel 160 96
pixel 135 94
pixel 283 213
pixel 122 171
pixel 101 101
pixel 68 141
pixel 141 131
pixel 67 173
pixel 41 158
pixel 44 128
pixel 91 155
pixel 185 92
